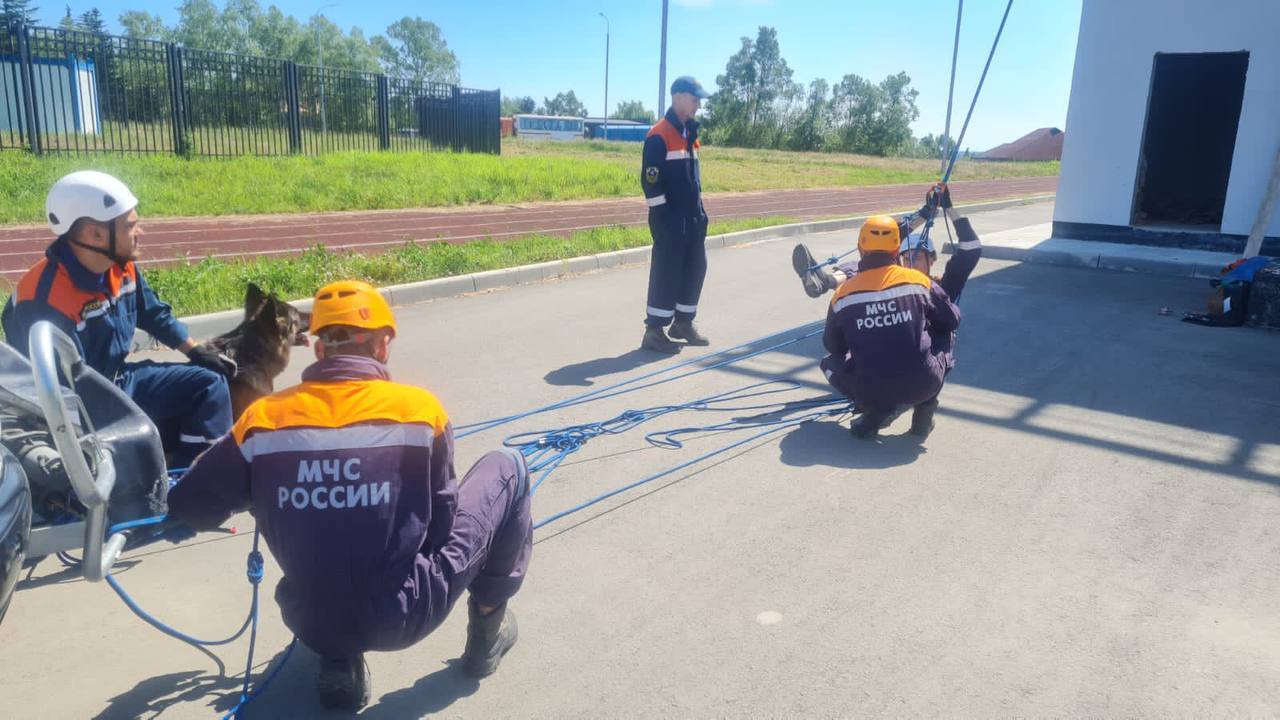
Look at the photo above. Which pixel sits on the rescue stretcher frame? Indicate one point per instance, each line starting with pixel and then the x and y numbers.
pixel 50 351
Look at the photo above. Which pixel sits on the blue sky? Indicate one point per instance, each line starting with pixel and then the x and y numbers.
pixel 541 47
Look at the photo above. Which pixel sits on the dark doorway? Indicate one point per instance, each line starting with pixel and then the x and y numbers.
pixel 1192 118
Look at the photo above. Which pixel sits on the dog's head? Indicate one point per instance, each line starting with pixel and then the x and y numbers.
pixel 275 320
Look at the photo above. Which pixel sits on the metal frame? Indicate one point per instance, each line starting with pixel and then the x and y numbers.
pixel 51 351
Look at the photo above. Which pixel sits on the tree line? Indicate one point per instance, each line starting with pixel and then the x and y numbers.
pixel 757 104
pixel 567 104
pixel 411 48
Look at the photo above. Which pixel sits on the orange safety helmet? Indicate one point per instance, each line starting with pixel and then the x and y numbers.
pixel 879 234
pixel 351 303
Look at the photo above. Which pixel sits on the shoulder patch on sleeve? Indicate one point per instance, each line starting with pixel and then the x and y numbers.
pixel 651 174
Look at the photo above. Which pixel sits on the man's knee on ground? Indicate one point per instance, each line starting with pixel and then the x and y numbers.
pixel 506 463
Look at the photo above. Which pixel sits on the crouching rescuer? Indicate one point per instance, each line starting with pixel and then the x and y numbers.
pixel 879 334
pixel 350 478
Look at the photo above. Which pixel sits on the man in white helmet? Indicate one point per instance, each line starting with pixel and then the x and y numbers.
pixel 88 286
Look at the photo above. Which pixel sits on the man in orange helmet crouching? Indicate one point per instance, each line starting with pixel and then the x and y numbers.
pixel 879 333
pixel 350 479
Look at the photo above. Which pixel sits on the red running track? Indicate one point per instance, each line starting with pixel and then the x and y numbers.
pixel 175 240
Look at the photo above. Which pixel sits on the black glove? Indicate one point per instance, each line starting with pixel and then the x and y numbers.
pixel 904 228
pixel 207 357
pixel 938 196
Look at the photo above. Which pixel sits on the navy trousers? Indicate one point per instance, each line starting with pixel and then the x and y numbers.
pixel 194 399
pixel 677 269
pixel 487 553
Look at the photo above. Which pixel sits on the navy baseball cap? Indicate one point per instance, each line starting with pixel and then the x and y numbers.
pixel 686 84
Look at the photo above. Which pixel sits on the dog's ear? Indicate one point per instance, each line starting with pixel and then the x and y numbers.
pixel 254 299
pixel 268 318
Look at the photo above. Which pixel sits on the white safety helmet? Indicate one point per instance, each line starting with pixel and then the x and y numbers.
pixel 915 242
pixel 86 194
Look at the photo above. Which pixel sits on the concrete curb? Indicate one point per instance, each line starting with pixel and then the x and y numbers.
pixel 212 324
pixel 1102 260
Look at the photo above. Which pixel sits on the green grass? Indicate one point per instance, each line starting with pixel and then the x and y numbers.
pixel 172 186
pixel 527 171
pixel 212 284
pixel 740 169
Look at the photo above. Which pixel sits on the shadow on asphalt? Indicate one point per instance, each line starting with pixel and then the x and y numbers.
pixel 829 444
pixel 584 374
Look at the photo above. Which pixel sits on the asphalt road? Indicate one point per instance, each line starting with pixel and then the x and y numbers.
pixel 1091 530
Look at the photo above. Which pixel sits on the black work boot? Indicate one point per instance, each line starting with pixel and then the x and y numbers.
pixel 684 330
pixel 343 683
pixel 867 425
pixel 922 419
pixel 656 339
pixel 812 278
pixel 489 637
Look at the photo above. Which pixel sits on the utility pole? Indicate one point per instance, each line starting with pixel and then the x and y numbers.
pixel 662 65
pixel 606 75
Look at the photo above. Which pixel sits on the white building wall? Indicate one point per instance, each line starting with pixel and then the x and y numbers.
pixel 1111 86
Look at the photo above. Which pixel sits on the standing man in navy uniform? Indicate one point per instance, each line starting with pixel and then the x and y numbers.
pixel 673 190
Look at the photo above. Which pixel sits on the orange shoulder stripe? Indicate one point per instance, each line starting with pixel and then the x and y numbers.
pixel 27 285
pixel 63 296
pixel 339 404
pixel 671 136
pixel 881 278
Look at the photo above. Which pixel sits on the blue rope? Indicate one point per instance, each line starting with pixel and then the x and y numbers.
pixel 671 438
pixel 951 89
pixel 770 429
pixel 247 697
pixel 254 570
pixel 166 629
pixel 949 163
pixel 157 623
pixel 623 387
pixel 131 524
pixel 545 450
pixel 955 152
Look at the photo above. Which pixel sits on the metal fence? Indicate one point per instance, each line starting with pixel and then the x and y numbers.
pixel 71 91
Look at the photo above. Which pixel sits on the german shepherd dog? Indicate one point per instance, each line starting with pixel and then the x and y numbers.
pixel 260 345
